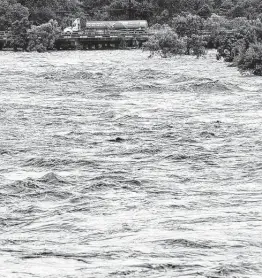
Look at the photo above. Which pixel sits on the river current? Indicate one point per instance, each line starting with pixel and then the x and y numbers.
pixel 117 165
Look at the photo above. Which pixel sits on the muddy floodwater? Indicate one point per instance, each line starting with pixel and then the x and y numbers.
pixel 116 165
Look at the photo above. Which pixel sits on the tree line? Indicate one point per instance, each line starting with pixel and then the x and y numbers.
pixel 155 11
pixel 234 26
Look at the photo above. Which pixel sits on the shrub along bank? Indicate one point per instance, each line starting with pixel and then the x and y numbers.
pixel 241 45
pixel 166 42
pixel 34 38
pixel 238 40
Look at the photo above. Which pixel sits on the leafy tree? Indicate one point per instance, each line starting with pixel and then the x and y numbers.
pixel 187 25
pixel 251 59
pixel 194 6
pixel 43 37
pixel 217 3
pixel 227 5
pixel 204 11
pixel 165 41
pixel 19 31
pixel 195 45
pixel 172 6
pixel 237 11
pixel 11 11
pixel 134 9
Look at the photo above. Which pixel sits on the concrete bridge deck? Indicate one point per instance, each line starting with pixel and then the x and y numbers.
pixel 91 40
pixel 103 39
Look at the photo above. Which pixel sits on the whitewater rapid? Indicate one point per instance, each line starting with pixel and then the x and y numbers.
pixel 116 165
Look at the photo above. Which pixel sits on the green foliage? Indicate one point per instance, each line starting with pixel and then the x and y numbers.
pixel 222 30
pixel 190 27
pixel 227 4
pixel 187 25
pixel 205 12
pixel 19 31
pixel 245 8
pixel 165 41
pixel 44 10
pixel 195 46
pixel 123 9
pixel 239 41
pixel 155 11
pixel 10 11
pixel 251 59
pixel 42 38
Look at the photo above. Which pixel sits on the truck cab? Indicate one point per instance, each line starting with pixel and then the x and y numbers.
pixel 75 28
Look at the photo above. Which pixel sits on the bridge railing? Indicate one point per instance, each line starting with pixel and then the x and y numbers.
pixel 107 33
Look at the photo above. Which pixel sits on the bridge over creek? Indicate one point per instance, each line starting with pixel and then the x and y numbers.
pixel 91 40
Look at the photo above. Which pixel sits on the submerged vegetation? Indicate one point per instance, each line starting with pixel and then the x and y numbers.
pixel 251 59
pixel 168 41
pixel 237 40
pixel 179 27
pixel 240 44
pixel 43 37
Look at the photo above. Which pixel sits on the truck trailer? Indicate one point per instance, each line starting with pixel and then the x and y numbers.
pixel 96 26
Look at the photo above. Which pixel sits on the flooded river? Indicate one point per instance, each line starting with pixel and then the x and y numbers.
pixel 116 165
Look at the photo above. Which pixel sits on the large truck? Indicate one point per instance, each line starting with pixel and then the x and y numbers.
pixel 107 26
pixel 103 34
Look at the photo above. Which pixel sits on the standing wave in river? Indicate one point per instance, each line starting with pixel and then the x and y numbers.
pixel 116 165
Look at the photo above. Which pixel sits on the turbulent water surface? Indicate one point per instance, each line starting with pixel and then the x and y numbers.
pixel 116 165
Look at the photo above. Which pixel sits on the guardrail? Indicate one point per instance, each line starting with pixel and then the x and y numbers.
pixel 106 33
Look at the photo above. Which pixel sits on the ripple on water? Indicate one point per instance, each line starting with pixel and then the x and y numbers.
pixel 115 165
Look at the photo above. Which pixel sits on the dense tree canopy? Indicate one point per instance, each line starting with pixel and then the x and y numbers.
pixel 155 11
pixel 10 11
